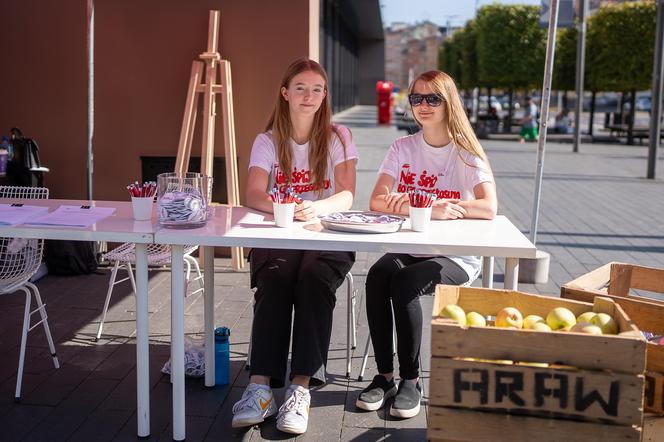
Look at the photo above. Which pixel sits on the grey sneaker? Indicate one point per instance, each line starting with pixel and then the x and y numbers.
pixel 374 396
pixel 407 401
pixel 294 413
pixel 256 405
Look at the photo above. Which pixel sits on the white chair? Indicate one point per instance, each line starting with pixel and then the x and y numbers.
pixel 19 260
pixel 158 255
pixel 365 358
pixel 351 325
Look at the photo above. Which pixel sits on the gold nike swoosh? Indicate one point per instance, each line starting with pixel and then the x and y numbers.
pixel 264 404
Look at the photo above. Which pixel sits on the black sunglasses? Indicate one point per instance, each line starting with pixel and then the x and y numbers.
pixel 433 100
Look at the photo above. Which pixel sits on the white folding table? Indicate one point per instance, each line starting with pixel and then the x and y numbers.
pixel 243 227
pixel 120 227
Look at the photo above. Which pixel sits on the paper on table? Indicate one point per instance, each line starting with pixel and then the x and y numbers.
pixel 76 216
pixel 14 214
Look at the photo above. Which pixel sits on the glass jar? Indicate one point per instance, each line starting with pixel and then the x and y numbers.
pixel 182 200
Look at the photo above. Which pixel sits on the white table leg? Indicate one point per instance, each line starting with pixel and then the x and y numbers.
pixel 208 297
pixel 487 272
pixel 177 340
pixel 511 273
pixel 142 342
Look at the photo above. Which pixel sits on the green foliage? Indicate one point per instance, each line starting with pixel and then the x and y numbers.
pixel 564 68
pixel 620 46
pixel 510 46
pixel 468 52
pixel 458 57
pixel 450 59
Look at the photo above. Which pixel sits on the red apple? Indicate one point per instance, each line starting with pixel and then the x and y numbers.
pixel 509 317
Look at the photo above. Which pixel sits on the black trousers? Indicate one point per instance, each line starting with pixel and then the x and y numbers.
pixel 403 279
pixel 303 281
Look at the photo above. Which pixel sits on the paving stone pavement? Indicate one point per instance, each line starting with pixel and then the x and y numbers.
pixel 596 207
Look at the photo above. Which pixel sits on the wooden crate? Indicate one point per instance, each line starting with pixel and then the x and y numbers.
pixel 653 428
pixel 614 281
pixel 491 383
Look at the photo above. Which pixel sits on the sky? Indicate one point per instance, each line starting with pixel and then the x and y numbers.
pixel 436 11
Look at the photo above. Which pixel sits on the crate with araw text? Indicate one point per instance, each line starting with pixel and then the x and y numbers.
pixel 528 384
pixel 618 281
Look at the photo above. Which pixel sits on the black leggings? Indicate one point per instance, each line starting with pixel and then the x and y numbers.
pixel 303 281
pixel 403 279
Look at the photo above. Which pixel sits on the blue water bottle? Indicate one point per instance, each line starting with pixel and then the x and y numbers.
pixel 222 357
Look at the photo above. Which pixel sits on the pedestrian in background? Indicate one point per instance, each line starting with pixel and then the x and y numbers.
pixel 529 122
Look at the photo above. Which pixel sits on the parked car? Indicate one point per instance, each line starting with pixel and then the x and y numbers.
pixel 643 103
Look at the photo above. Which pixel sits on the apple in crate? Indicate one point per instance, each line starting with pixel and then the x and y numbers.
pixel 560 318
pixel 475 319
pixel 586 327
pixel 540 326
pixel 509 317
pixel 606 323
pixel 531 320
pixel 586 317
pixel 455 312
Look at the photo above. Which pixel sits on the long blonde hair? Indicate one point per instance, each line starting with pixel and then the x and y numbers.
pixel 321 132
pixel 458 126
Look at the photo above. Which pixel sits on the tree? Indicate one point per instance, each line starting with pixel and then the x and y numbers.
pixel 449 59
pixel 510 46
pixel 621 40
pixel 564 69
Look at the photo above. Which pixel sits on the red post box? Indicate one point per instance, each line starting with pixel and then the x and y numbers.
pixel 384 90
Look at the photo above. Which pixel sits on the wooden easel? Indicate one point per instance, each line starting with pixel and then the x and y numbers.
pixel 211 60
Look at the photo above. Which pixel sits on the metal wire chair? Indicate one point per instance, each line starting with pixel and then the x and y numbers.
pixel 158 255
pixel 20 258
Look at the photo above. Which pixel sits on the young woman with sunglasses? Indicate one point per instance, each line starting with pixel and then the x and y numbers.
pixel 303 150
pixel 444 158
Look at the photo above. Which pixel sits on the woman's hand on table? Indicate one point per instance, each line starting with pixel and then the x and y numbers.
pixel 447 209
pixel 395 201
pixel 306 210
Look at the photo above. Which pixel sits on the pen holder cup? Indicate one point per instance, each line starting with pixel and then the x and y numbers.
pixel 183 199
pixel 142 207
pixel 420 218
pixel 283 214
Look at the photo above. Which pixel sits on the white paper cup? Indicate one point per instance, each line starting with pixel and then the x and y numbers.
pixel 283 214
pixel 142 207
pixel 420 218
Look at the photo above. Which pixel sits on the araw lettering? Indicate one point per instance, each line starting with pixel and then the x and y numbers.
pixel 515 389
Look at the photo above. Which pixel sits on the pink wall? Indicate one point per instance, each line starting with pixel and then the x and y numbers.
pixel 143 56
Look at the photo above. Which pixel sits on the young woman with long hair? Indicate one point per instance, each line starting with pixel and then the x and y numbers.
pixel 444 158
pixel 303 150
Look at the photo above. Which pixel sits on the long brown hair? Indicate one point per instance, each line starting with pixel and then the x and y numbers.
pixel 458 126
pixel 321 132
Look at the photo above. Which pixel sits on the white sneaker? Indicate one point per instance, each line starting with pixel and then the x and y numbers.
pixel 256 405
pixel 294 413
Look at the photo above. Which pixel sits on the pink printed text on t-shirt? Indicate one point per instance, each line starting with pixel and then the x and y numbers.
pixel 425 181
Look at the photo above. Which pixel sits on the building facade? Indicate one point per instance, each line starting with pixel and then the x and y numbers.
pixel 143 56
pixel 410 50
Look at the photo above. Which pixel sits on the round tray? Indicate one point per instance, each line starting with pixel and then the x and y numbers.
pixel 356 221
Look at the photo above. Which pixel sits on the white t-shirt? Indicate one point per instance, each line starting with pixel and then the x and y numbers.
pixel 449 171
pixel 264 155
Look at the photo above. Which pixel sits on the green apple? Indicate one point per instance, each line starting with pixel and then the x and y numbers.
pixel 531 320
pixel 606 323
pixel 586 327
pixel 560 317
pixel 455 312
pixel 509 317
pixel 475 319
pixel 540 326
pixel 585 317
